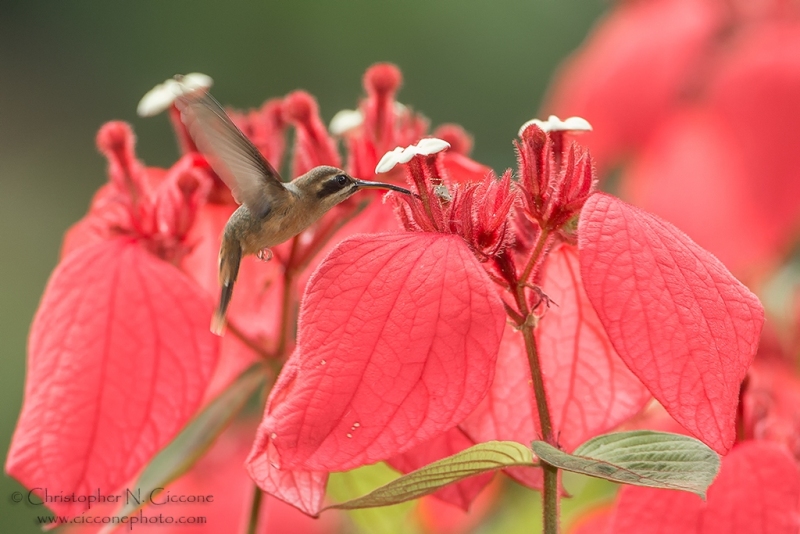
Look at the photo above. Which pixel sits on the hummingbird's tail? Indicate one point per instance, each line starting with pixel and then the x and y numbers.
pixel 230 254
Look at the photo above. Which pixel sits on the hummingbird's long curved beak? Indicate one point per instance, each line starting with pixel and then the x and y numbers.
pixel 381 185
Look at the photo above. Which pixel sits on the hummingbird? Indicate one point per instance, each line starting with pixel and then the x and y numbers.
pixel 272 211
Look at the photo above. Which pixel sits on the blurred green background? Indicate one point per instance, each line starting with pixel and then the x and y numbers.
pixel 66 67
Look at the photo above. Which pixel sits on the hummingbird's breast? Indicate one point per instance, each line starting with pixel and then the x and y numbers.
pixel 285 219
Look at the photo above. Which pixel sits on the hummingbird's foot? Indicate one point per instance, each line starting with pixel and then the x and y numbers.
pixel 264 254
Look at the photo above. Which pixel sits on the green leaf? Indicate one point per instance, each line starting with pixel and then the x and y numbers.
pixel 193 441
pixel 478 459
pixel 641 458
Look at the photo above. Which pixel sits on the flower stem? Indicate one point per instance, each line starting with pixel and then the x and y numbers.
pixel 550 490
pixel 286 302
pixel 538 383
pixel 550 498
pixel 536 254
pixel 255 510
pixel 247 341
pixel 286 314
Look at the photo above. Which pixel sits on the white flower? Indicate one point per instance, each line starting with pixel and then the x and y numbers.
pixel 161 97
pixel 350 119
pixel 554 124
pixel 345 120
pixel 425 147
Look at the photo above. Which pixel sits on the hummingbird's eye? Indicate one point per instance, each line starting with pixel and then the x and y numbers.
pixel 341 179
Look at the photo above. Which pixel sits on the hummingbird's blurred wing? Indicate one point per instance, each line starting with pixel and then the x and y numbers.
pixel 233 157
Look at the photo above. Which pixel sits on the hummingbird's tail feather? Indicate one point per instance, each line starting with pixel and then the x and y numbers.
pixel 218 321
pixel 230 255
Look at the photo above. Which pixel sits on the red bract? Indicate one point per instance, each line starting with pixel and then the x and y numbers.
pixel 756 492
pixel 304 490
pixel 770 403
pixel 708 132
pixel 119 359
pixel 612 81
pixel 225 492
pixel 691 173
pixel 745 176
pixel 680 321
pixel 397 342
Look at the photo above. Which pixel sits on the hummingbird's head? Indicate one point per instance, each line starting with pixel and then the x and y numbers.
pixel 328 186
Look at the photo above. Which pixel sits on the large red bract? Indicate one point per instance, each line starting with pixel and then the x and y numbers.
pixel 680 321
pixel 397 343
pixel 119 358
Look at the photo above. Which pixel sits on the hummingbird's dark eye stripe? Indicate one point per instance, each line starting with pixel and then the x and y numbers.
pixel 334 185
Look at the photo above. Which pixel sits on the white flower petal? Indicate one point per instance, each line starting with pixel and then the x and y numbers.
pixel 161 97
pixel 425 147
pixel 345 120
pixel 197 80
pixel 388 161
pixel 431 145
pixel 406 155
pixel 157 99
pixel 554 124
pixel 577 124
